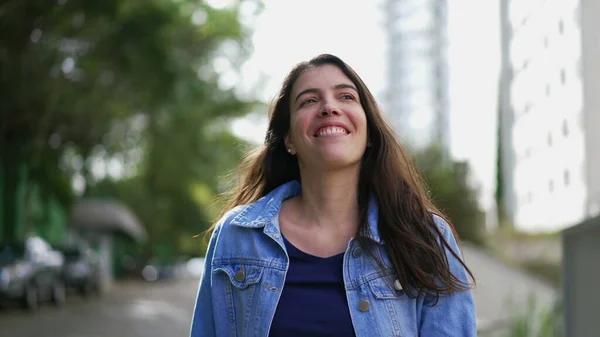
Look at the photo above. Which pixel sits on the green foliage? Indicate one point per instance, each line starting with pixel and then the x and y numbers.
pixel 88 83
pixel 451 192
pixel 176 202
pixel 548 270
pixel 538 322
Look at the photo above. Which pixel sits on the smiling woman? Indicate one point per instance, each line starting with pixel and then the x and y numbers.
pixel 328 126
pixel 331 231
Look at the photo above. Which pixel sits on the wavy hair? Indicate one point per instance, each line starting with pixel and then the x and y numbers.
pixel 412 239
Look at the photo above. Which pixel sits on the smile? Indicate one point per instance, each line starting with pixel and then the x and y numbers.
pixel 331 131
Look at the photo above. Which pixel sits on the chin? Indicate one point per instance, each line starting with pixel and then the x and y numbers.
pixel 333 160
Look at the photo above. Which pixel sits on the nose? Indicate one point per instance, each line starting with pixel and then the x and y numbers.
pixel 329 109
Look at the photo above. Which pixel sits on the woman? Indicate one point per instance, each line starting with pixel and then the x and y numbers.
pixel 331 232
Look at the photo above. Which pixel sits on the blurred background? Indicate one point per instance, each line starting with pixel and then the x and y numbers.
pixel 119 121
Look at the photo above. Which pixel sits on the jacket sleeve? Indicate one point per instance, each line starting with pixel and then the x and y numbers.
pixel 453 315
pixel 203 323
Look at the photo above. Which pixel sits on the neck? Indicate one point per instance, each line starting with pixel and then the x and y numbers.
pixel 329 200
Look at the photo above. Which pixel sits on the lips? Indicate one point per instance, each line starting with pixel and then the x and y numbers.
pixel 331 130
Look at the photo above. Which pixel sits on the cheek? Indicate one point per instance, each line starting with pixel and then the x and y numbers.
pixel 299 124
pixel 359 119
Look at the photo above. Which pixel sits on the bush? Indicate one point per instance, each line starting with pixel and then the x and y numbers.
pixel 451 192
pixel 539 322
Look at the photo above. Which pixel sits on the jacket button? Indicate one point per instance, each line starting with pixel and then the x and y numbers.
pixel 357 252
pixel 240 275
pixel 364 305
pixel 397 285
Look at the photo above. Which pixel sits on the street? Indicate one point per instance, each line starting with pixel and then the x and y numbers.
pixel 129 310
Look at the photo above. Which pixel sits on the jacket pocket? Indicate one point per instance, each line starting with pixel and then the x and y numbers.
pixel 394 312
pixel 236 292
pixel 241 276
pixel 383 288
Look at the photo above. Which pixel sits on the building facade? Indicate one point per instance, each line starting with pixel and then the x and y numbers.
pixel 417 71
pixel 550 70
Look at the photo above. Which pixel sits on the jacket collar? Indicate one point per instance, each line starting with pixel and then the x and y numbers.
pixel 262 213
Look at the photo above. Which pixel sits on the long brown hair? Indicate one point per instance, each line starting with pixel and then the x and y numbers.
pixel 405 210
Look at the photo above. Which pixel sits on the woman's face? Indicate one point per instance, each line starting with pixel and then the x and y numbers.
pixel 328 126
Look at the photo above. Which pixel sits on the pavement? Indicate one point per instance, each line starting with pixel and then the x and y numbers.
pixel 504 292
pixel 131 309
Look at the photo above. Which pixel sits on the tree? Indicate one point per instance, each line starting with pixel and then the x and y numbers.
pixel 179 201
pixel 76 75
pixel 499 194
pixel 450 190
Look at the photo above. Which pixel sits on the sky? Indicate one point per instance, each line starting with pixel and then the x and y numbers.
pixel 291 31
pixel 474 56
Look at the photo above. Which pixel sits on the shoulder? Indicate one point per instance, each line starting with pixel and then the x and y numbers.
pixel 448 237
pixel 442 224
pixel 225 223
pixel 450 242
pixel 226 237
pixel 244 221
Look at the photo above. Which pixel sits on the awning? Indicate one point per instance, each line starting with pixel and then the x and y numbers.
pixel 107 216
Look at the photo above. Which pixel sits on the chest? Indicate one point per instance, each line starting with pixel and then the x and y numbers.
pixel 316 241
pixel 248 285
pixel 313 301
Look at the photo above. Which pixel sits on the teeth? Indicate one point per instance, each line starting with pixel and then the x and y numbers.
pixel 331 131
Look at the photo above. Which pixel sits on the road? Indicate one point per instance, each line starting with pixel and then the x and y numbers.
pixel 162 309
pixel 130 310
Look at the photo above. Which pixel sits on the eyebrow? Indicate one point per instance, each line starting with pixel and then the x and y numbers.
pixel 314 90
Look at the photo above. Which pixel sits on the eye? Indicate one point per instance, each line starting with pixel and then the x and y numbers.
pixel 308 101
pixel 348 96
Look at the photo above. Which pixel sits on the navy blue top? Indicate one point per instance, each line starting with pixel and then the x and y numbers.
pixel 313 301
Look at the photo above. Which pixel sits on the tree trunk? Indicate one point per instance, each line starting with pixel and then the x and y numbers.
pixel 500 192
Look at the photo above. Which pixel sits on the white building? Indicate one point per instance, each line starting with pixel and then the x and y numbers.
pixel 442 85
pixel 551 75
pixel 417 71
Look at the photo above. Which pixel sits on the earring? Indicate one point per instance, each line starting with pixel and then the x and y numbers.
pixel 289 151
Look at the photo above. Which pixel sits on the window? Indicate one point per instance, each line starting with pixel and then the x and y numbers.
pixel 527 108
pixel 521 47
pixel 530 197
pixel 548 89
pixel 565 128
pixel 561 27
pixel 546 42
pixel 563 76
pixel 551 185
pixel 566 178
pixel 549 138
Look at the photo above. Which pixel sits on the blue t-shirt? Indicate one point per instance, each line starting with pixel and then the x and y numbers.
pixel 313 301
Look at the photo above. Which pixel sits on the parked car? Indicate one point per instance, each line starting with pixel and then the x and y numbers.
pixel 30 273
pixel 81 269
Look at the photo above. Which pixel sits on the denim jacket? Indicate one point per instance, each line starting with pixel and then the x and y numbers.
pixel 245 272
